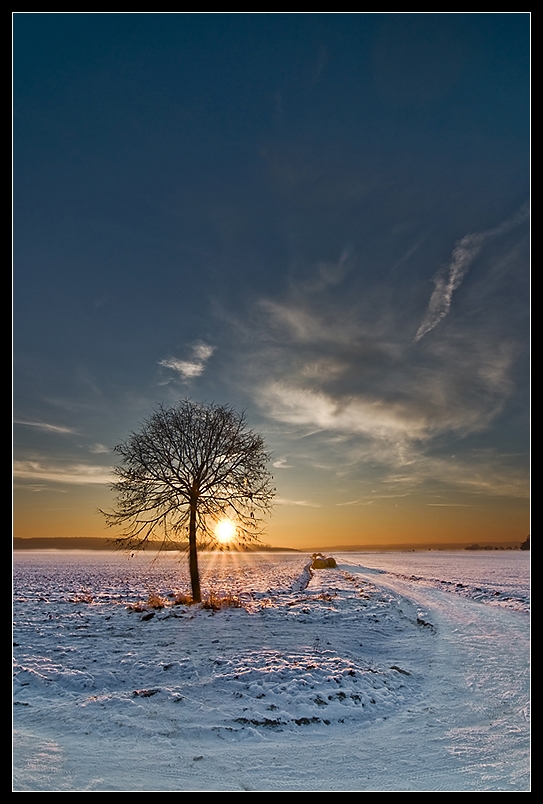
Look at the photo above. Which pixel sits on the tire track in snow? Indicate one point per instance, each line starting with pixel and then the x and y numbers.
pixel 479 680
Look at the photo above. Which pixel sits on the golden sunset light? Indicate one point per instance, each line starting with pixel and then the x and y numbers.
pixel 225 531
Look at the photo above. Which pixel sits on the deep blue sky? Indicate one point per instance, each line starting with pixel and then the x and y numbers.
pixel 320 218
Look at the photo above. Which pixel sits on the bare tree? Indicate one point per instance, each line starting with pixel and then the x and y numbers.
pixel 186 469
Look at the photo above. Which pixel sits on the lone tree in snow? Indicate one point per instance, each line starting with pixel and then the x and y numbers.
pixel 190 470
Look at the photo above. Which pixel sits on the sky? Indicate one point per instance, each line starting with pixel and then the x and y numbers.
pixel 320 219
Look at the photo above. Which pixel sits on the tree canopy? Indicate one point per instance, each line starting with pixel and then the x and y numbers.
pixel 186 470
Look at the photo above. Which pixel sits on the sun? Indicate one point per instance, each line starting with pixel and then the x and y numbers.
pixel 225 530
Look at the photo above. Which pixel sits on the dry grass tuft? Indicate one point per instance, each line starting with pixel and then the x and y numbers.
pixel 212 602
pixel 138 607
pixel 182 599
pixel 216 602
pixel 155 601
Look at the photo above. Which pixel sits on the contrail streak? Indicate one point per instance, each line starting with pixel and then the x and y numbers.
pixel 449 280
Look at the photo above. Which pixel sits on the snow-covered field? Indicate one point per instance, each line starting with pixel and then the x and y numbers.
pixel 395 671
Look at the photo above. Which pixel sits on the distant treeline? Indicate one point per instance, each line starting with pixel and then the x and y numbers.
pixel 490 547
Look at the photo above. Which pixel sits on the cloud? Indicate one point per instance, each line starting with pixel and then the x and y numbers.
pixel 79 474
pixel 186 368
pixel 194 366
pixel 373 418
pixel 388 393
pixel 479 472
pixel 355 502
pixel 304 503
pixel 202 351
pixel 372 401
pixel 334 370
pixel 48 428
pixel 281 463
pixel 297 319
pixel 449 280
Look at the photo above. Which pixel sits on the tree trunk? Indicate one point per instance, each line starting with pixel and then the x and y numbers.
pixel 193 556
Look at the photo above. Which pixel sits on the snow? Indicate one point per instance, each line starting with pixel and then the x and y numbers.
pixel 394 671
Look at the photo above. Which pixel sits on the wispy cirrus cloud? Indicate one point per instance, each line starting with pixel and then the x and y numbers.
pixel 303 503
pixel 450 505
pixel 78 473
pixel 479 472
pixel 356 397
pixel 389 397
pixel 449 280
pixel 362 416
pixel 192 367
pixel 47 428
pixel 355 502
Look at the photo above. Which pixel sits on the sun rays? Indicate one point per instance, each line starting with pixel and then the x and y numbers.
pixel 225 531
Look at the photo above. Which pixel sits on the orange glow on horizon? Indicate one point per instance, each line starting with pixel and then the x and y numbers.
pixel 55 514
